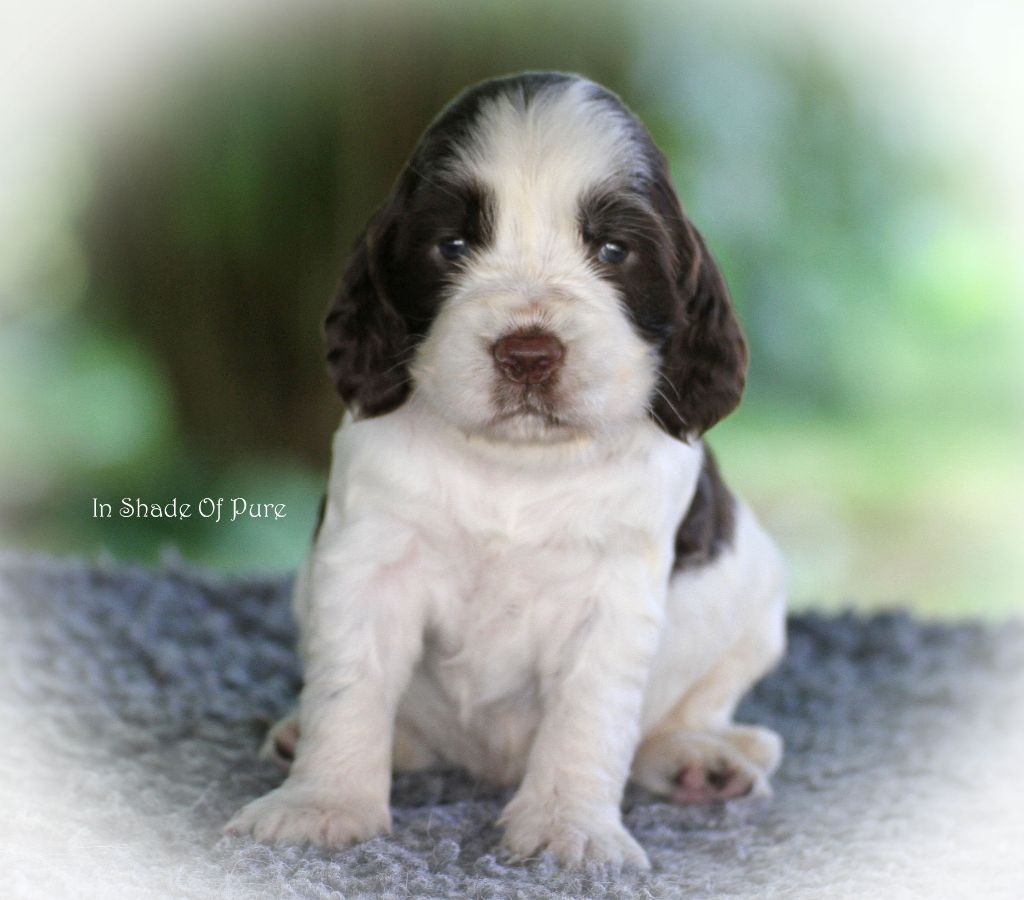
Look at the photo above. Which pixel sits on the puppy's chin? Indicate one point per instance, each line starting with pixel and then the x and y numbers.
pixel 526 426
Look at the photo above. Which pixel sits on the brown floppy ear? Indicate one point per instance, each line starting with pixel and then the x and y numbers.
pixel 367 338
pixel 704 360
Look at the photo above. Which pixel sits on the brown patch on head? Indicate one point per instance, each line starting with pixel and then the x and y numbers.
pixel 672 289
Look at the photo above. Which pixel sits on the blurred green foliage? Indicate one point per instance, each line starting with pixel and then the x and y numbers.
pixel 165 343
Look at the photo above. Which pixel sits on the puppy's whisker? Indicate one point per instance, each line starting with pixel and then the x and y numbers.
pixel 671 407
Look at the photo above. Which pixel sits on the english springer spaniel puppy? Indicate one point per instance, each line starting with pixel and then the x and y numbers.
pixel 528 565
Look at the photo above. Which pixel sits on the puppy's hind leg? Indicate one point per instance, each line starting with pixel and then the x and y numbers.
pixel 410 752
pixel 696 753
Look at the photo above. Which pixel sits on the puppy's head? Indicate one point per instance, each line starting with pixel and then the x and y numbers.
pixel 532 277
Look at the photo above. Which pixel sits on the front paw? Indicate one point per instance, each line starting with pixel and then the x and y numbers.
pixel 573 839
pixel 298 815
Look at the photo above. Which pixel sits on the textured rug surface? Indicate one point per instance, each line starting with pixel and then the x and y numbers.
pixel 132 703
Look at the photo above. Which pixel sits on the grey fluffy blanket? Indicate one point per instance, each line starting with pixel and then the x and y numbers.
pixel 132 703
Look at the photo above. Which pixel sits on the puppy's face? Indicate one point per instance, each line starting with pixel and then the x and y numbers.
pixel 532 277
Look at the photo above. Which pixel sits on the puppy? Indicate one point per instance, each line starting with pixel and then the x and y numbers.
pixel 528 565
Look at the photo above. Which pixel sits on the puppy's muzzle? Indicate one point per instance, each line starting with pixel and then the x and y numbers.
pixel 528 357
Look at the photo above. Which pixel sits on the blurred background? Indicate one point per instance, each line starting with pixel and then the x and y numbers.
pixel 181 186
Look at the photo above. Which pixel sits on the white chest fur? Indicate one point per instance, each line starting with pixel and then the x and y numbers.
pixel 510 548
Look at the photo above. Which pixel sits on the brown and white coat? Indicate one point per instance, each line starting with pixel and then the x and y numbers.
pixel 528 564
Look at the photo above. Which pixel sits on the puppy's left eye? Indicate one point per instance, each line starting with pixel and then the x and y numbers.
pixel 613 253
pixel 453 248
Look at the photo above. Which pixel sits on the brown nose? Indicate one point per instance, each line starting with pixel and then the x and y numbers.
pixel 530 358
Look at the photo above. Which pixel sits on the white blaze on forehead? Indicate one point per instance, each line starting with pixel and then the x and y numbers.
pixel 540 157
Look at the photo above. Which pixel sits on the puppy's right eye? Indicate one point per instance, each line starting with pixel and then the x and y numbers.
pixel 613 253
pixel 453 249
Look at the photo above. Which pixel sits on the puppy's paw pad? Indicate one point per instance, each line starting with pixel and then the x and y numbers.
pixel 718 780
pixel 707 767
pixel 281 817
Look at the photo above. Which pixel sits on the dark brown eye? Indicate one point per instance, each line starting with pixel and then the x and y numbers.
pixel 613 253
pixel 453 248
